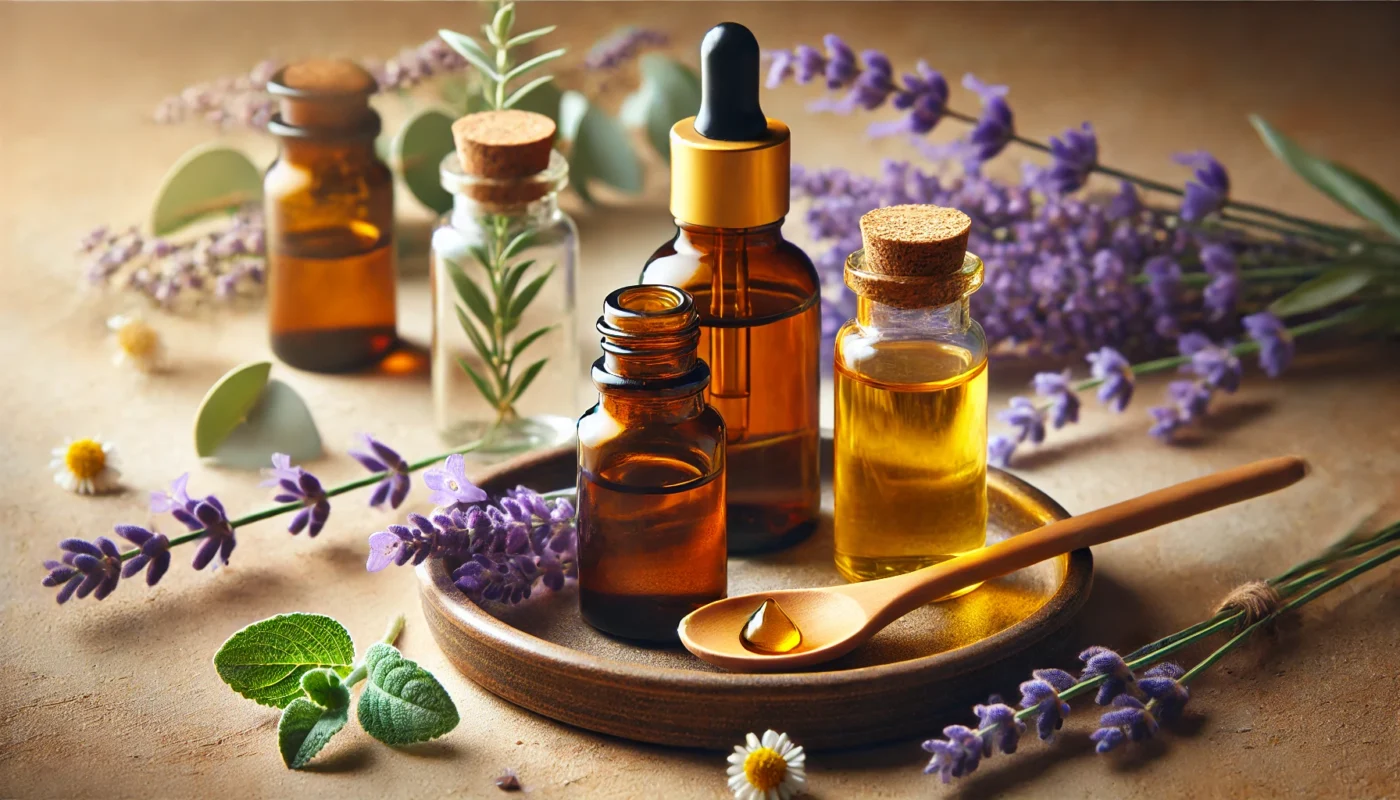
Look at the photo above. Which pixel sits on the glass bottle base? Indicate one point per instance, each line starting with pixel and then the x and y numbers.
pixel 855 568
pixel 503 439
pixel 644 618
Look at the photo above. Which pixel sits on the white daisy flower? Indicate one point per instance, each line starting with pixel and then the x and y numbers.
pixel 771 768
pixel 138 344
pixel 85 466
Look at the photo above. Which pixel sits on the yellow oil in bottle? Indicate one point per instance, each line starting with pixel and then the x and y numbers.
pixel 911 455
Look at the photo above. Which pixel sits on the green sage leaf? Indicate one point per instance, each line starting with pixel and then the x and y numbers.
pixel 403 703
pixel 467 47
pixel 470 293
pixel 1354 192
pixel 481 383
pixel 1330 287
pixel 672 92
pixel 527 295
pixel 324 688
pixel 418 150
pixel 485 350
pixel 600 147
pixel 529 339
pixel 210 179
pixel 265 661
pixel 306 727
pixel 526 378
pixel 529 64
pixel 526 38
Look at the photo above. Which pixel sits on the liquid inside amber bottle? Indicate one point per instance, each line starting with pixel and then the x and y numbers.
pixel 330 216
pixel 651 472
pixel 757 295
pixel 911 406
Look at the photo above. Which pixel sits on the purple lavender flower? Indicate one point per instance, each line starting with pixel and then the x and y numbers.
pixel 1275 342
pixel 379 457
pixel 1126 204
pixel 875 83
pixel 154 555
pixel 1132 720
pixel 1109 366
pixel 1102 661
pixel 956 757
pixel 1005 730
pixel 1166 421
pixel 296 485
pixel 923 97
pixel 622 46
pixel 205 515
pixel 841 66
pixel 1223 290
pixel 1075 157
pixel 451 488
pixel 1209 192
pixel 1163 279
pixel 1217 365
pixel 1000 449
pixel 1027 418
pixel 1043 694
pixel 1162 685
pixel 86 568
pixel 1064 402
pixel 995 128
pixel 1192 398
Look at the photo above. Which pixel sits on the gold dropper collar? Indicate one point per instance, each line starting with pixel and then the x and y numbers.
pixel 730 184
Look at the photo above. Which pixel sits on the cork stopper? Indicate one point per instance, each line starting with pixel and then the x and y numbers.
pixel 325 94
pixel 914 256
pixel 502 145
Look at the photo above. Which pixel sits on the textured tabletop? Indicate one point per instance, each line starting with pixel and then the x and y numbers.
pixel 119 698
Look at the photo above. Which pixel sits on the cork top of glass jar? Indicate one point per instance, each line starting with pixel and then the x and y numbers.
pixel 914 256
pixel 323 94
pixel 501 156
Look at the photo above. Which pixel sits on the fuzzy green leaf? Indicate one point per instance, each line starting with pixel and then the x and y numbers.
pixel 526 378
pixel 519 94
pixel 530 36
pixel 527 295
pixel 481 384
pixel 265 661
pixel 467 47
pixel 306 727
pixel 403 703
pixel 672 92
pixel 512 277
pixel 529 339
pixel 600 147
pixel 1354 192
pixel 482 347
pixel 1330 287
pixel 324 688
pixel 471 294
pixel 529 64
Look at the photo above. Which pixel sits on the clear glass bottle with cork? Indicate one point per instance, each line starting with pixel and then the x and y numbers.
pixel 329 203
pixel 757 295
pixel 911 397
pixel 505 365
pixel 651 455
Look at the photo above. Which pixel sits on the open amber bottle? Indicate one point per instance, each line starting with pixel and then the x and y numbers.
pixel 329 204
pixel 911 397
pixel 651 459
pixel 757 295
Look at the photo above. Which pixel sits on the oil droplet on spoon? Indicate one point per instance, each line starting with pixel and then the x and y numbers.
pixel 769 630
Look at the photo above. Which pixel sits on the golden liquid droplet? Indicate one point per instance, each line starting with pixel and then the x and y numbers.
pixel 769 630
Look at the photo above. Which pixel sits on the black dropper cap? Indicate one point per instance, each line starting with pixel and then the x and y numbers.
pixel 729 109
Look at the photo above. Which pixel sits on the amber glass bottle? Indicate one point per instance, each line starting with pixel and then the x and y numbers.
pixel 911 398
pixel 651 459
pixel 329 203
pixel 757 295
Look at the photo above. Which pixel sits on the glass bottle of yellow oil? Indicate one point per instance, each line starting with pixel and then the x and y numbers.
pixel 911 397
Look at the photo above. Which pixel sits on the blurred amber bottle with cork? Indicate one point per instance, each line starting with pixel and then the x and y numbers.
pixel 757 294
pixel 911 397
pixel 329 203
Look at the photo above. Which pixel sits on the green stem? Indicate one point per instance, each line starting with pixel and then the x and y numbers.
pixel 390 636
pixel 284 508
pixel 1260 274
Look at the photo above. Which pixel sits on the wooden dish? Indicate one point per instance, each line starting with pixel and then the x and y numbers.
pixel 541 655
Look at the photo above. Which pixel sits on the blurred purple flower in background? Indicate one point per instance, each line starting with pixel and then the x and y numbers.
pixel 1208 192
pixel 1074 156
pixel 995 128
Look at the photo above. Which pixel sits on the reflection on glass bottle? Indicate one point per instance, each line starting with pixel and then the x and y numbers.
pixel 330 220
pixel 505 364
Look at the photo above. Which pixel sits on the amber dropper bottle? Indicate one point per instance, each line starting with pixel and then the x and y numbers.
pixel 757 295
pixel 911 397
pixel 651 460
pixel 329 203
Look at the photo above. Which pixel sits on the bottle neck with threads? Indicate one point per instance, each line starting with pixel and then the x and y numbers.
pixel 649 367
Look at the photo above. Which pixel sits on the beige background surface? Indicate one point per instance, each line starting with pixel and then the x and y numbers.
pixel 119 698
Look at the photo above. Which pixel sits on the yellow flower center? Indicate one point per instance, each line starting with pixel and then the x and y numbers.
pixel 765 769
pixel 85 459
pixel 137 339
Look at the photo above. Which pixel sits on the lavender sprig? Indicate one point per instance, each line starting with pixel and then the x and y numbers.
pixel 225 263
pixel 96 567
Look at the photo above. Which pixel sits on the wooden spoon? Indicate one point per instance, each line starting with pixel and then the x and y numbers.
pixel 837 619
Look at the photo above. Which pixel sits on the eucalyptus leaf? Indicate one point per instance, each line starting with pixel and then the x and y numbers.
pixel 527 295
pixel 481 383
pixel 482 347
pixel 279 422
pixel 529 64
pixel 1352 191
pixel 470 293
pixel 467 47
pixel 306 728
pixel 227 403
pixel 600 147
pixel 265 661
pixel 403 703
pixel 529 339
pixel 525 379
pixel 530 36
pixel 418 150
pixel 1330 287
pixel 519 94
pixel 543 99
pixel 210 179
pixel 672 92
